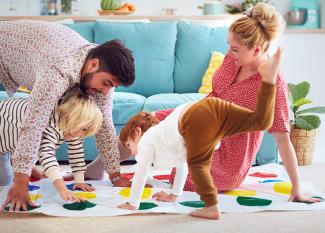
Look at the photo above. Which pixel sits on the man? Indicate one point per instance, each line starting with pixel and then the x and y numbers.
pixel 48 59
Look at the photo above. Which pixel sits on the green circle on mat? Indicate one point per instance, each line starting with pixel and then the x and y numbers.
pixel 253 201
pixel 194 204
pixel 29 208
pixel 147 205
pixel 79 205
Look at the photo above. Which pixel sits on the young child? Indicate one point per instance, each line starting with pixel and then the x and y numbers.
pixel 186 137
pixel 75 117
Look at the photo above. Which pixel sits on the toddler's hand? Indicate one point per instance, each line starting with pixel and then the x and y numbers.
pixel 84 187
pixel 67 195
pixel 126 206
pixel 162 196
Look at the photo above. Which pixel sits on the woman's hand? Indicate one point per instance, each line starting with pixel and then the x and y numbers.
pixel 298 196
pixel 162 196
pixel 127 206
pixel 83 186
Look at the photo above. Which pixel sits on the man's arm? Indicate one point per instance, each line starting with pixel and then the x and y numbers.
pixel 106 140
pixel 48 88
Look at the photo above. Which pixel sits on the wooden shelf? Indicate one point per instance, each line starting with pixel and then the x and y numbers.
pixel 120 17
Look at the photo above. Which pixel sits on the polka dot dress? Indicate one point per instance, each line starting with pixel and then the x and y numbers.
pixel 236 154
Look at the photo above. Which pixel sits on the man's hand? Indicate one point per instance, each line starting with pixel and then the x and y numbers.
pixel 121 182
pixel 18 196
pixel 162 196
pixel 118 181
pixel 83 186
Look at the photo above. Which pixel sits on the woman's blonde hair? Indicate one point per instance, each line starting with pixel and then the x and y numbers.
pixel 76 110
pixel 261 25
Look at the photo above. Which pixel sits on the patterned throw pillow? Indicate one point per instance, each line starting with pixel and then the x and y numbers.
pixel 215 62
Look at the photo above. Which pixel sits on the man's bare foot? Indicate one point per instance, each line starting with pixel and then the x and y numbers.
pixel 211 212
pixel 270 67
pixel 68 177
pixel 38 173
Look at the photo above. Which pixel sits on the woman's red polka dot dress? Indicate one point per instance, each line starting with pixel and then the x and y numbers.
pixel 231 162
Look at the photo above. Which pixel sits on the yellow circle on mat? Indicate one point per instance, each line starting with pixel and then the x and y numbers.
pixel 35 197
pixel 86 195
pixel 282 187
pixel 242 193
pixel 126 193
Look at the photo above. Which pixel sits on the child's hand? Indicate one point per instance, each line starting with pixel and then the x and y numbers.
pixel 162 196
pixel 127 206
pixel 67 195
pixel 84 187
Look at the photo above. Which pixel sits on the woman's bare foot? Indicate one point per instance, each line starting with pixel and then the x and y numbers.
pixel 270 67
pixel 211 212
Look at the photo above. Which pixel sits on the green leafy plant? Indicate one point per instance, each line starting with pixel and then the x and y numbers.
pixel 110 4
pixel 297 98
pixel 242 7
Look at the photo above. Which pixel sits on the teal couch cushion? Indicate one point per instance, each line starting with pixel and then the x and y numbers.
pixel 153 47
pixel 4 95
pixel 193 51
pixel 126 105
pixel 85 29
pixel 170 100
pixel 268 152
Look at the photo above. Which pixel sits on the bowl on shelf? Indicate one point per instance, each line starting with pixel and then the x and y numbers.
pixel 114 12
pixel 296 17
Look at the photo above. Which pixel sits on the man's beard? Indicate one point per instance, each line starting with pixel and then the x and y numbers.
pixel 84 82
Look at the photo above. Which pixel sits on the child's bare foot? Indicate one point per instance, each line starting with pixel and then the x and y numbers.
pixel 269 68
pixel 211 212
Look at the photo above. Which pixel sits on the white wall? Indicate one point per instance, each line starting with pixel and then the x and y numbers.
pixel 144 7
pixel 304 59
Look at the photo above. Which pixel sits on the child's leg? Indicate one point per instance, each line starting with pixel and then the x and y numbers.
pixel 200 137
pixel 96 170
pixel 6 172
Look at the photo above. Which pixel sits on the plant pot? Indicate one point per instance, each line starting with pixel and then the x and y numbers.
pixel 303 142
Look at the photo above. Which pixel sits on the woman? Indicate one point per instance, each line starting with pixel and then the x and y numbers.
pixel 238 81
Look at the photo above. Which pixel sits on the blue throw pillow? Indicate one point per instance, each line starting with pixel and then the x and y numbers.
pixel 153 47
pixel 193 51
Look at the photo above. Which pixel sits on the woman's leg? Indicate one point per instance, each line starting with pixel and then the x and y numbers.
pixel 6 172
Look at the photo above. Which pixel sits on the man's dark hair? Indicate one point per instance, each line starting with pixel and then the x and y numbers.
pixel 116 59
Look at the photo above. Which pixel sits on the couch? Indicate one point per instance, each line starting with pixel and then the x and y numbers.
pixel 170 59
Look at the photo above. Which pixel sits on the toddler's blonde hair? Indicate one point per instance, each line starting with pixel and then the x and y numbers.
pixel 76 110
pixel 261 25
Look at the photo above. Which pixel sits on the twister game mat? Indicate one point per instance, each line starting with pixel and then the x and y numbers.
pixel 265 188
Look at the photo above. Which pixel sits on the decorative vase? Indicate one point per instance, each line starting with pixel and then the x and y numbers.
pixel 303 142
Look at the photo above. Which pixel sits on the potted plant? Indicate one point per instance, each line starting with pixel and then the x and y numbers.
pixel 304 125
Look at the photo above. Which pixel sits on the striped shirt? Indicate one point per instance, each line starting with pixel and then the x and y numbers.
pixel 12 112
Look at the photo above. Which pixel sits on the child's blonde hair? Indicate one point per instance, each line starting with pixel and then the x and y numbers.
pixel 144 120
pixel 261 25
pixel 76 110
